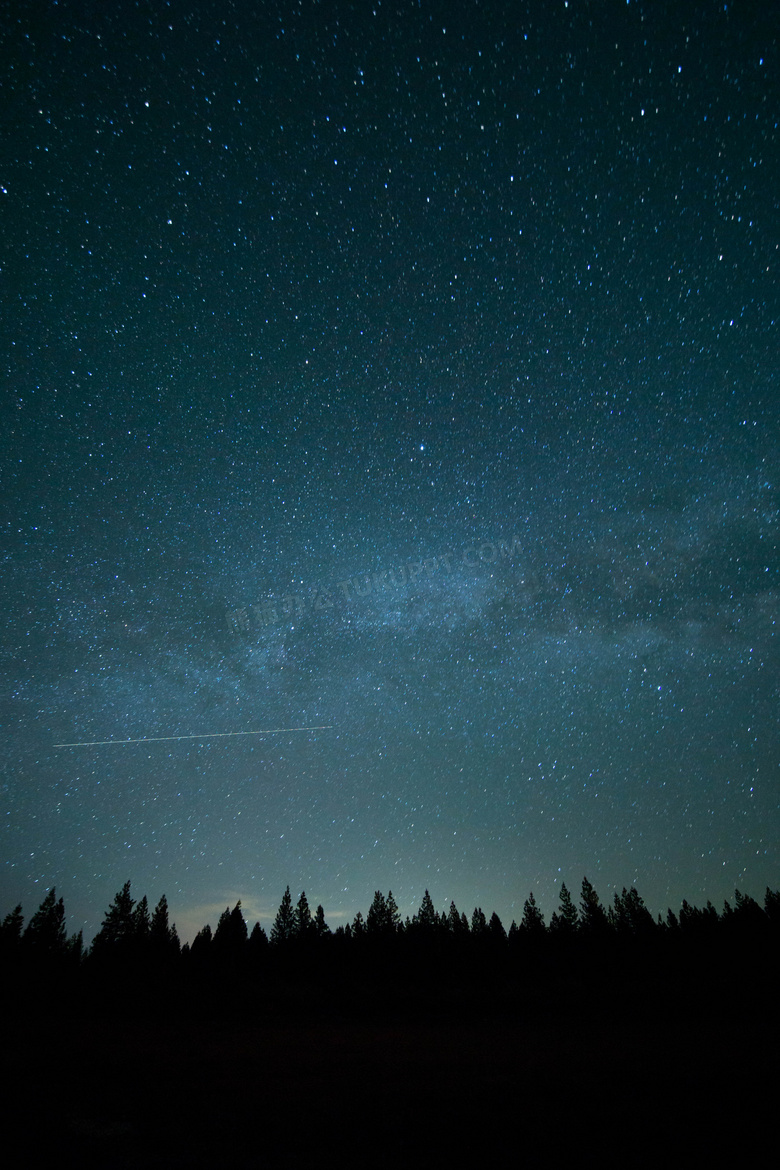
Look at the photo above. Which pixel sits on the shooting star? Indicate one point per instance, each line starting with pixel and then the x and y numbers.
pixel 208 735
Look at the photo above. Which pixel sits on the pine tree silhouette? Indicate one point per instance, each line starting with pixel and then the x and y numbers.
pixel 258 941
pixel 629 915
pixel 303 924
pixel 321 928
pixel 141 922
pixel 12 924
pixel 565 920
pixel 46 931
pixel 425 920
pixel 532 923
pixel 283 929
pixel 393 914
pixel 201 944
pixel 75 948
pixel 231 934
pixel 747 908
pixel 496 929
pixel 162 937
pixel 455 923
pixel 478 922
pixel 118 928
pixel 594 917
pixel 376 919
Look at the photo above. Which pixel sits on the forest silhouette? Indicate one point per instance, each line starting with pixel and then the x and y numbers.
pixel 429 1039
pixel 418 961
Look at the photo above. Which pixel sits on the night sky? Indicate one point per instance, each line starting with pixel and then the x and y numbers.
pixel 408 371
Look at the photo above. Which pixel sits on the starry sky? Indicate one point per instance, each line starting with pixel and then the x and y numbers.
pixel 406 371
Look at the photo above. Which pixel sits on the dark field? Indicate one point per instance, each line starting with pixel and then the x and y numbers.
pixel 531 1085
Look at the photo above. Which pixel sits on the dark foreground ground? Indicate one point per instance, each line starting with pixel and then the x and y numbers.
pixel 608 1079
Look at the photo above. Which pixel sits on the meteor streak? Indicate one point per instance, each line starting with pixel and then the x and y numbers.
pixel 207 735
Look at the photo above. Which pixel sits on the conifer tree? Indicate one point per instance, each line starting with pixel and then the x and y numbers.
pixel 455 922
pixel 141 921
pixel 321 928
pixel 162 936
pixel 376 920
pixel 632 915
pixel 258 940
pixel 283 929
pixel 393 914
pixel 532 923
pixel 478 921
pixel 496 928
pixel 303 924
pixel 223 929
pixel 159 924
pixel 710 918
pixel 616 915
pixel 238 927
pixel 426 919
pixel 747 907
pixel 74 947
pixel 231 933
pixel 565 921
pixel 12 924
pixel 687 915
pixel 594 916
pixel 201 944
pixel 383 919
pixel 117 930
pixel 46 929
pixel 697 924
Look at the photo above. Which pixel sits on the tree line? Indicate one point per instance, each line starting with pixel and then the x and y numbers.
pixel 132 932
